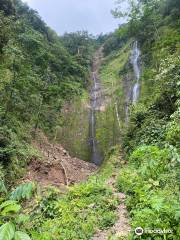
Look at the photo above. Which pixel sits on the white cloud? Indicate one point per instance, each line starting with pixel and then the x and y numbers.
pixel 31 3
pixel 27 1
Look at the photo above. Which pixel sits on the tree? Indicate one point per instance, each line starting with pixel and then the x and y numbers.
pixel 80 44
pixel 7 7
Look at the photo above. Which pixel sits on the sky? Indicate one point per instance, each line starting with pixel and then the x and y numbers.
pixel 76 15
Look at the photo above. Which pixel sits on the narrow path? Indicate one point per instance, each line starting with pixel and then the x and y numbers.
pixel 122 227
pixel 98 103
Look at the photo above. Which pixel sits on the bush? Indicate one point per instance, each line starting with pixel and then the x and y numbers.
pixel 138 114
pixel 150 160
pixel 173 134
pixel 151 186
pixel 10 218
pixel 76 215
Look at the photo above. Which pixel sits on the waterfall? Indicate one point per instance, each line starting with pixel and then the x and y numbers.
pixel 95 104
pixel 135 62
pixel 97 101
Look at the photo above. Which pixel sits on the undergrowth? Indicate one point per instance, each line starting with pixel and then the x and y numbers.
pixel 151 142
pixel 49 213
pixel 80 212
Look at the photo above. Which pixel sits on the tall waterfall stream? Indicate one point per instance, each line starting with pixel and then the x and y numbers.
pixel 96 103
pixel 135 62
pixel 90 128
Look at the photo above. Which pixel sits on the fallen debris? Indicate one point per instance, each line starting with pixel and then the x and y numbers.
pixel 56 167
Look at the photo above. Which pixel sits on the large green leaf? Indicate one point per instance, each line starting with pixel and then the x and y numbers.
pixel 14 208
pixel 7 203
pixel 9 207
pixel 21 236
pixel 7 231
pixel 23 191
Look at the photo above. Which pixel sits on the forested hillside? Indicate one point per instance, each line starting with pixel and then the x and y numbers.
pixel 151 137
pixel 117 95
pixel 38 73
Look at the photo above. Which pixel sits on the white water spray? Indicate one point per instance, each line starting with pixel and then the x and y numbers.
pixel 135 62
pixel 95 105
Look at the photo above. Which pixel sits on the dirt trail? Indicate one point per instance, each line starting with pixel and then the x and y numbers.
pixel 99 101
pixel 56 167
pixel 122 227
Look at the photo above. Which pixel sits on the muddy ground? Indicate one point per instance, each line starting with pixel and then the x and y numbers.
pixel 55 166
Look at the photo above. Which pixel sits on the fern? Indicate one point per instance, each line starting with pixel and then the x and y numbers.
pixel 23 192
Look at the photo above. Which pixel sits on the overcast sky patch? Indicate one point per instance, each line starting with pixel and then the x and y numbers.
pixel 76 15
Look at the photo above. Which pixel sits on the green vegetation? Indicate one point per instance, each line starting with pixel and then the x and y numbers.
pixel 112 67
pixel 73 132
pixel 38 73
pixel 78 213
pixel 151 140
pixel 151 183
pixel 11 216
pixel 52 214
pixel 43 85
pixel 81 45
pixel 151 177
pixel 110 121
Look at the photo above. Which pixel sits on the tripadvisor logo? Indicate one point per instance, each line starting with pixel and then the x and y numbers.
pixel 139 231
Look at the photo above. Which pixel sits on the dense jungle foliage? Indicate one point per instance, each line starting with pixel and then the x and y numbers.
pixel 39 71
pixel 151 140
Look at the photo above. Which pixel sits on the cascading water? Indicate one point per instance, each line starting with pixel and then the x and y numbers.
pixel 135 62
pixel 96 105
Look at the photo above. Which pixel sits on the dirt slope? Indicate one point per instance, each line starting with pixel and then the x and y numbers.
pixel 56 167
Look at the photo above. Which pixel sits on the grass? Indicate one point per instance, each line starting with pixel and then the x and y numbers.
pixel 79 213
pixel 151 186
pixel 110 70
pixel 91 205
pixel 107 126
